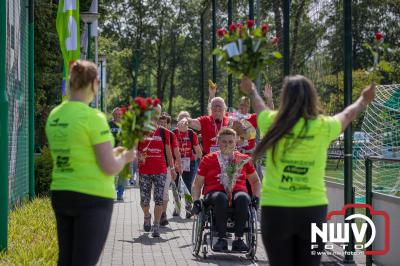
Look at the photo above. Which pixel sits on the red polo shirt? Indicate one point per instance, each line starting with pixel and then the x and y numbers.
pixel 209 131
pixel 210 169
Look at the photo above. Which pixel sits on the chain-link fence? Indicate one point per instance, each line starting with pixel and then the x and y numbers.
pixel 17 89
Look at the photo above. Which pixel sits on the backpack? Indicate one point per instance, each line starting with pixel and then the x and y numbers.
pixel 162 133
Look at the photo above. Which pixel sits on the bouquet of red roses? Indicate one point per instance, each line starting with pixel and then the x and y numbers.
pixel 246 49
pixel 135 123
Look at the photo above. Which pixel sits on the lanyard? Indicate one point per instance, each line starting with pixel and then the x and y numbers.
pixel 183 142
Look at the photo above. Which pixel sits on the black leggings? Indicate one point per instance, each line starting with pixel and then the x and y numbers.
pixel 240 204
pixel 286 234
pixel 83 222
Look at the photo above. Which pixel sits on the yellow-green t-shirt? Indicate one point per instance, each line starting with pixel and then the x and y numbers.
pixel 72 129
pixel 296 179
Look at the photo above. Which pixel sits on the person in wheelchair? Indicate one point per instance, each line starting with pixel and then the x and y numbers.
pixel 220 193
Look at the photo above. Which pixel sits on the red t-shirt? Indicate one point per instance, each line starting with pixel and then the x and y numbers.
pixel 252 119
pixel 185 145
pixel 209 131
pixel 153 148
pixel 210 169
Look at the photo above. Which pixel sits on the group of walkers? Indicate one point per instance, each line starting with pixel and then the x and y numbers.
pixel 292 194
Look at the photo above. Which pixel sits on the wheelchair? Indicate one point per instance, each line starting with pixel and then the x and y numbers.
pixel 204 231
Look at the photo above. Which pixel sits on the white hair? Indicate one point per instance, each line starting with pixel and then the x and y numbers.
pixel 182 113
pixel 218 99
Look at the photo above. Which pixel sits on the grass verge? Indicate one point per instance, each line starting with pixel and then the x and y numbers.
pixel 32 235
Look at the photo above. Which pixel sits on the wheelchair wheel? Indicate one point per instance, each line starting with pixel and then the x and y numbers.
pixel 197 233
pixel 251 236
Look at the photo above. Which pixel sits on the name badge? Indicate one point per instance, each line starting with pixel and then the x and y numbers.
pixel 214 148
pixel 185 164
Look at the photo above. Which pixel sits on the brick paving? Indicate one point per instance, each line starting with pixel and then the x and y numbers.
pixel 129 244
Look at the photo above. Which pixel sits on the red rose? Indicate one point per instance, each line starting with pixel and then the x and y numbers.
pixel 156 102
pixel 232 27
pixel 378 36
pixel 141 102
pixel 123 109
pixel 221 32
pixel 149 101
pixel 265 28
pixel 250 23
pixel 275 40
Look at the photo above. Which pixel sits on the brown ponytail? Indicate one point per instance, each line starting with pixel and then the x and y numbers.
pixel 82 73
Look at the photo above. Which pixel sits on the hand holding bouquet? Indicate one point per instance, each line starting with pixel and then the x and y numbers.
pixel 136 122
pixel 246 49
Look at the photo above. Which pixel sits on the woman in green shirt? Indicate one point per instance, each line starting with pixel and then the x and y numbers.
pixel 296 140
pixel 84 163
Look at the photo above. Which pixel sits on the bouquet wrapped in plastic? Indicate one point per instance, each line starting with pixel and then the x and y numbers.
pixel 135 123
pixel 246 49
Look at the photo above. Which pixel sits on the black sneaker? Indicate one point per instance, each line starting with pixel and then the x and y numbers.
pixel 163 220
pixel 188 215
pixel 147 223
pixel 239 245
pixel 221 245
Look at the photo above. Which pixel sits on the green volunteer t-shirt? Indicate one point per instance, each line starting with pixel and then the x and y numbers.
pixel 296 179
pixel 72 129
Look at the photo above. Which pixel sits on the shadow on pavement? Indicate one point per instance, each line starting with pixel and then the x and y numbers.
pixel 145 239
pixel 180 220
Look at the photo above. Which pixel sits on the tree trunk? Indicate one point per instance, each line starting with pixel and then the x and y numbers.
pixel 297 21
pixel 160 91
pixel 172 80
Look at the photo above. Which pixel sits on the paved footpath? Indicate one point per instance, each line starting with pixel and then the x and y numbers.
pixel 129 244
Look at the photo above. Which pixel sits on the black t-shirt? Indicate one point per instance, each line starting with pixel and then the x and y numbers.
pixel 114 130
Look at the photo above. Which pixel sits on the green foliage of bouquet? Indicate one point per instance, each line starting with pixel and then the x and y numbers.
pixel 379 51
pixel 135 123
pixel 246 49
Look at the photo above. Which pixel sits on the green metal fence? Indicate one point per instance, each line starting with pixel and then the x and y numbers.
pixel 16 108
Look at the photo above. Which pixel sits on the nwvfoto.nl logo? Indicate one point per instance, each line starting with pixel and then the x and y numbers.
pixel 339 233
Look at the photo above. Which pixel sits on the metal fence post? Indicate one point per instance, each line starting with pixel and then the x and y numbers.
pixel 214 39
pixel 202 62
pixel 3 131
pixel 348 167
pixel 368 200
pixel 31 101
pixel 251 9
pixel 230 92
pixel 286 37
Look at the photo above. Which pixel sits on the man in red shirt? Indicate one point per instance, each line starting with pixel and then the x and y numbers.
pixel 153 172
pixel 222 190
pixel 209 125
pixel 248 122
